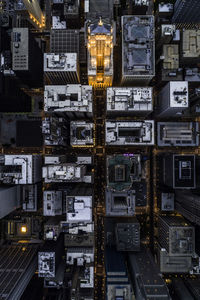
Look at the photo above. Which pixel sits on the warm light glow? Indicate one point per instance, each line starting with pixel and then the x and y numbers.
pixel 23 229
pixel 100 50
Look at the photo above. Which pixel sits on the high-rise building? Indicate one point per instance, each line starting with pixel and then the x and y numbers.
pixel 58 171
pixel 82 134
pixel 190 48
pixel 129 133
pixel 186 11
pixel 31 11
pixel 117 281
pixel 74 100
pixel 55 131
pixel 171 70
pixel 176 240
pixel 173 99
pixel 100 42
pixel 35 12
pixel 138 49
pixel 128 235
pixel 9 199
pixel 18 264
pixel 188 204
pixel 179 171
pixel 64 41
pixel 49 258
pixel 30 195
pixel 129 101
pixel 52 203
pixel 177 134
pixel 20 169
pixel 146 278
pixel 61 68
pixel 24 50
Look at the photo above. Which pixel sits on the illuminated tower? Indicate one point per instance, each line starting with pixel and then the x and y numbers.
pixel 100 41
pixel 35 13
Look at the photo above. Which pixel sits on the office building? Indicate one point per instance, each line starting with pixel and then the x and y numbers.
pixel 192 75
pixel 133 101
pixel 81 134
pixel 186 12
pixel 138 57
pixel 64 41
pixel 74 100
pixel 9 200
pixel 52 229
pixel 71 12
pixel 128 236
pixel 56 171
pixel 146 278
pixel 190 47
pixel 129 133
pixel 187 288
pixel 57 23
pixel 173 99
pixel 120 203
pixel 18 265
pixel 61 68
pixel 22 228
pixel 167 202
pixel 166 34
pixel 100 42
pixel 165 9
pixel 179 171
pixel 177 134
pixel 82 282
pixel 30 195
pixel 78 234
pixel 24 49
pixel 122 171
pixel 20 169
pixel 55 131
pixel 79 209
pixel 117 281
pixel 52 203
pixel 49 258
pixel 36 16
pixel 171 70
pixel 188 204
pixel 176 240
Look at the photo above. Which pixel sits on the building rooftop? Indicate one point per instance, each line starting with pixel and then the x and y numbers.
pixel 128 236
pixel 52 203
pixel 71 97
pixel 191 44
pixel 58 171
pixel 130 132
pixel 138 46
pixel 120 203
pixel 167 201
pixel 20 49
pixel 20 169
pixel 184 171
pixel 122 171
pixel 66 62
pixel 79 209
pixel 171 57
pixel 179 94
pixel 81 133
pixel 129 99
pixel 178 134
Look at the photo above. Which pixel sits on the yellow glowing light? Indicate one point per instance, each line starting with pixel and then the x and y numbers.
pixel 23 229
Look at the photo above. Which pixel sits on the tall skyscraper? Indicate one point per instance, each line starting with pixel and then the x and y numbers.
pixel 186 11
